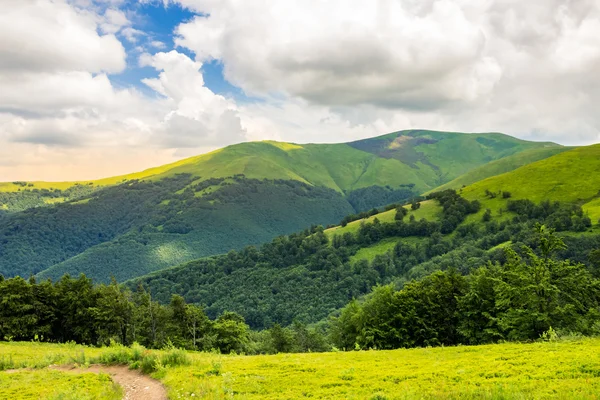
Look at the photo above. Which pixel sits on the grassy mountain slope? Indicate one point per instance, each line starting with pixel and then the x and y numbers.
pixel 422 159
pixel 429 210
pixel 215 202
pixel 502 166
pixel 312 286
pixel 308 275
pixel 572 176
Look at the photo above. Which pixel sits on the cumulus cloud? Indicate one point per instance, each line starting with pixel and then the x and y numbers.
pixel 322 72
pixel 58 104
pixel 526 68
pixel 54 36
pixel 113 21
pixel 197 116
pixel 388 53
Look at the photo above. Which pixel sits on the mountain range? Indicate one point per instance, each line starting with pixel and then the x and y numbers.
pixel 245 194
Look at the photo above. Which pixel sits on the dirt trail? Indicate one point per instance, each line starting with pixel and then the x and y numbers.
pixel 136 386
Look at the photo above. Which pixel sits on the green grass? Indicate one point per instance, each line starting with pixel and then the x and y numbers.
pixel 381 247
pixel 383 160
pixel 553 370
pixel 502 166
pixel 55 385
pixel 429 210
pixel 572 176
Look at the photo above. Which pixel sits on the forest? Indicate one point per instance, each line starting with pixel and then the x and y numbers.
pixel 138 227
pixel 458 283
pixel 307 276
pixel 528 296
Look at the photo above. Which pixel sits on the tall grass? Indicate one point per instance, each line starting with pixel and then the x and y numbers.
pixel 138 357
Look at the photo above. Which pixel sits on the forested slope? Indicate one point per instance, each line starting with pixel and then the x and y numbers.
pixel 308 275
pixel 240 195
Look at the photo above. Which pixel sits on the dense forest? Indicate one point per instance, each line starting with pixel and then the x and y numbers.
pixel 525 297
pixel 28 196
pixel 142 226
pixel 306 276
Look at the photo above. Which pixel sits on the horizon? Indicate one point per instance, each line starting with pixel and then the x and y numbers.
pixel 144 169
pixel 101 87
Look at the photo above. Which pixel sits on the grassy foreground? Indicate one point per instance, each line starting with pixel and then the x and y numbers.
pixel 558 370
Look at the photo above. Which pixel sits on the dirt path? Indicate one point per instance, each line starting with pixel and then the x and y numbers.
pixel 136 386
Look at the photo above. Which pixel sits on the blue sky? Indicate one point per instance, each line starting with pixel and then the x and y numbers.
pixel 158 23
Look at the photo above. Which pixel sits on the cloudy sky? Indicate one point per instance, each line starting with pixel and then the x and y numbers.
pixel 92 88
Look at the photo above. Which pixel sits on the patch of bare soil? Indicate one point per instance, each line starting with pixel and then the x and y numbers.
pixel 136 386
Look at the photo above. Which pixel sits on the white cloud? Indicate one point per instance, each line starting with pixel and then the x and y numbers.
pixel 58 105
pixel 132 34
pixel 197 117
pixel 54 36
pixel 387 53
pixel 525 68
pixel 324 72
pixel 113 21
pixel 157 44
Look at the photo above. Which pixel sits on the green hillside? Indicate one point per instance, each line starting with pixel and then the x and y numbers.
pixel 422 159
pixel 572 176
pixel 502 166
pixel 308 275
pixel 241 195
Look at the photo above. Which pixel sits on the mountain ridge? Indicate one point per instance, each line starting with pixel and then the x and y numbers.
pixel 229 198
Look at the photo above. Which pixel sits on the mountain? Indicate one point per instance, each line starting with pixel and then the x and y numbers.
pixel 424 159
pixel 330 268
pixel 244 194
pixel 572 176
pixel 502 166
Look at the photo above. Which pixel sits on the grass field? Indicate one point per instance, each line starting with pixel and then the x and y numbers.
pixel 572 177
pixel 550 370
pixel 502 166
pixel 430 210
pixel 55 385
pixel 382 247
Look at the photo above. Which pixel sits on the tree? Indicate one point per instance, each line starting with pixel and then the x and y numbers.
pixel 18 319
pixel 487 216
pixel 231 332
pixel 401 212
pixel 282 339
pixel 113 313
pixel 536 293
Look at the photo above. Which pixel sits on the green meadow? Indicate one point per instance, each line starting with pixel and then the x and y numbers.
pixel 567 369
pixel 429 210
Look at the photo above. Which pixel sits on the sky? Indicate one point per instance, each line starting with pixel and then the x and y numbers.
pixel 95 88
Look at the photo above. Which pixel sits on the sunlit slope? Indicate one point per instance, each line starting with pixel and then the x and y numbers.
pixel 429 210
pixel 502 166
pixel 572 176
pixel 423 158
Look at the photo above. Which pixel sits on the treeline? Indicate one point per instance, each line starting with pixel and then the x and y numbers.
pixel 76 310
pixel 27 197
pixel 137 220
pixel 378 196
pixel 528 296
pixel 525 298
